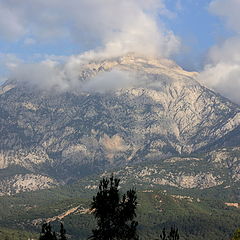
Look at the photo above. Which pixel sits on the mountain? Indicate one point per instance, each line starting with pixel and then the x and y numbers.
pixel 146 120
pixel 150 110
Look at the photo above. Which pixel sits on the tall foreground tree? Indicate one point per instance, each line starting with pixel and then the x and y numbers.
pixel 62 233
pixel 115 213
pixel 47 233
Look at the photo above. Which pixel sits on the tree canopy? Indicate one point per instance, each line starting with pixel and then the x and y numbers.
pixel 115 213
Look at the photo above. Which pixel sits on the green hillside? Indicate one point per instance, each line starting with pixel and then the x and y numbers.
pixel 10 234
pixel 199 214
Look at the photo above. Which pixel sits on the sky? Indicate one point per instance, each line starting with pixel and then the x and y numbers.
pixel 55 36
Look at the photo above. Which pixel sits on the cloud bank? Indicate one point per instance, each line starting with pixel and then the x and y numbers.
pixel 222 73
pixel 51 75
pixel 111 26
pixel 108 81
pixel 104 28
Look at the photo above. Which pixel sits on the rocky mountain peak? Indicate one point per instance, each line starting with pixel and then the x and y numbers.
pixel 142 64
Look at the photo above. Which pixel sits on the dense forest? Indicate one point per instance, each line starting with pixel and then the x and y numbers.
pixel 188 219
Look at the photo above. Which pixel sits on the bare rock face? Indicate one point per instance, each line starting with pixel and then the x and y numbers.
pixel 25 183
pixel 162 111
pixel 216 168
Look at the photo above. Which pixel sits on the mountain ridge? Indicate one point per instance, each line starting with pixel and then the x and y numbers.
pixel 164 111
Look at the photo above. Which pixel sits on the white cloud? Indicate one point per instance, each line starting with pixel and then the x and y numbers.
pixel 50 74
pixel 224 78
pixel 106 28
pixel 228 51
pixel 11 23
pixel 229 11
pixel 222 73
pixel 107 81
pixel 44 74
pixel 8 62
pixel 113 25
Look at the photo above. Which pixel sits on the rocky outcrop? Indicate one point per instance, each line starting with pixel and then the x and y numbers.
pixel 216 168
pixel 25 183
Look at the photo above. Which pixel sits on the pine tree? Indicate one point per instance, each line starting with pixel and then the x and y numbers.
pixel 173 234
pixel 163 236
pixel 62 233
pixel 114 213
pixel 47 233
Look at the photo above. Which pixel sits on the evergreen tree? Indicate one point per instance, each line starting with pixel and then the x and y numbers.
pixel 47 233
pixel 62 233
pixel 163 236
pixel 173 234
pixel 114 213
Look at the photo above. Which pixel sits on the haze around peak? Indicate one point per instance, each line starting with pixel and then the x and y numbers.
pixel 92 73
pixel 45 42
pixel 104 29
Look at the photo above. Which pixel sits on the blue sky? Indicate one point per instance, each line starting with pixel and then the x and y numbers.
pixel 198 29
